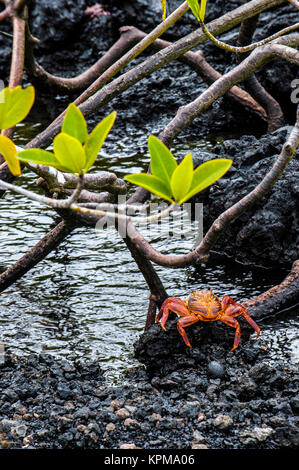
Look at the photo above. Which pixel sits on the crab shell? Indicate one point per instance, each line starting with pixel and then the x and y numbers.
pixel 204 304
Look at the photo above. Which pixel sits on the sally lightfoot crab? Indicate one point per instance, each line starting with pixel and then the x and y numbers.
pixel 204 305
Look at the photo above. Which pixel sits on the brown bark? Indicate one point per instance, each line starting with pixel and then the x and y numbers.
pixel 259 57
pixel 198 63
pixel 280 297
pixel 41 78
pixel 252 84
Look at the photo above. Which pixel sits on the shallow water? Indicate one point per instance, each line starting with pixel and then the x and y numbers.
pixel 87 300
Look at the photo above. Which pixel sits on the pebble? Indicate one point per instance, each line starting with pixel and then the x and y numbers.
pixel 131 422
pixel 19 431
pixel 223 422
pixel 199 446
pixel 258 433
pixel 122 413
pixel 198 437
pixel 128 446
pixel 110 427
pixel 215 369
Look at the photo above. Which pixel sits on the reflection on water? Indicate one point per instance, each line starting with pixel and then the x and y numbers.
pixel 87 300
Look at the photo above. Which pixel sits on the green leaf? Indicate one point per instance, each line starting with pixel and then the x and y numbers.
pixel 96 139
pixel 151 183
pixel 198 12
pixel 39 157
pixel 69 153
pixel 9 152
pixel 206 174
pixel 193 4
pixel 15 104
pixel 182 178
pixel 203 6
pixel 163 162
pixel 74 123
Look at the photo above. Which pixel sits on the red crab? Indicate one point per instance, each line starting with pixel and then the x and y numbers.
pixel 204 305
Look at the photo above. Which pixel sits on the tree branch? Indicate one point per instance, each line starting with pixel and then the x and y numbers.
pixel 17 61
pixel 279 298
pixel 197 62
pixel 252 84
pixel 36 254
pixel 255 60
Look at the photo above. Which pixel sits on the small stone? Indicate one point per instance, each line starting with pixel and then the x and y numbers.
pixel 83 412
pixel 7 424
pixel 223 422
pixel 27 440
pixel 200 417
pixel 199 446
pixel 198 437
pixel 81 427
pixel 115 404
pixel 69 405
pixel 4 444
pixel 215 369
pixel 64 392
pixel 131 422
pixel 110 427
pixel 19 431
pixel 211 392
pixel 131 409
pixel 122 413
pixel 27 416
pixel 258 433
pixel 128 446
pixel 180 422
pixel 156 416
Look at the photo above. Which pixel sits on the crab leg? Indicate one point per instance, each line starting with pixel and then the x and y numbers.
pixel 252 323
pixel 182 323
pixel 230 321
pixel 174 304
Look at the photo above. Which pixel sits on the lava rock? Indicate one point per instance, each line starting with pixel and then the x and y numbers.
pixel 266 235
pixel 54 23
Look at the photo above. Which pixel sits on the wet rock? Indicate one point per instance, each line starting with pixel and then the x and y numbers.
pixel 266 234
pixel 247 388
pixel 64 392
pixel 260 372
pixel 65 16
pixel 215 369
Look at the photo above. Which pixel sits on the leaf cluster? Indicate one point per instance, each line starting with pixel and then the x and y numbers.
pixel 74 150
pixel 177 182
